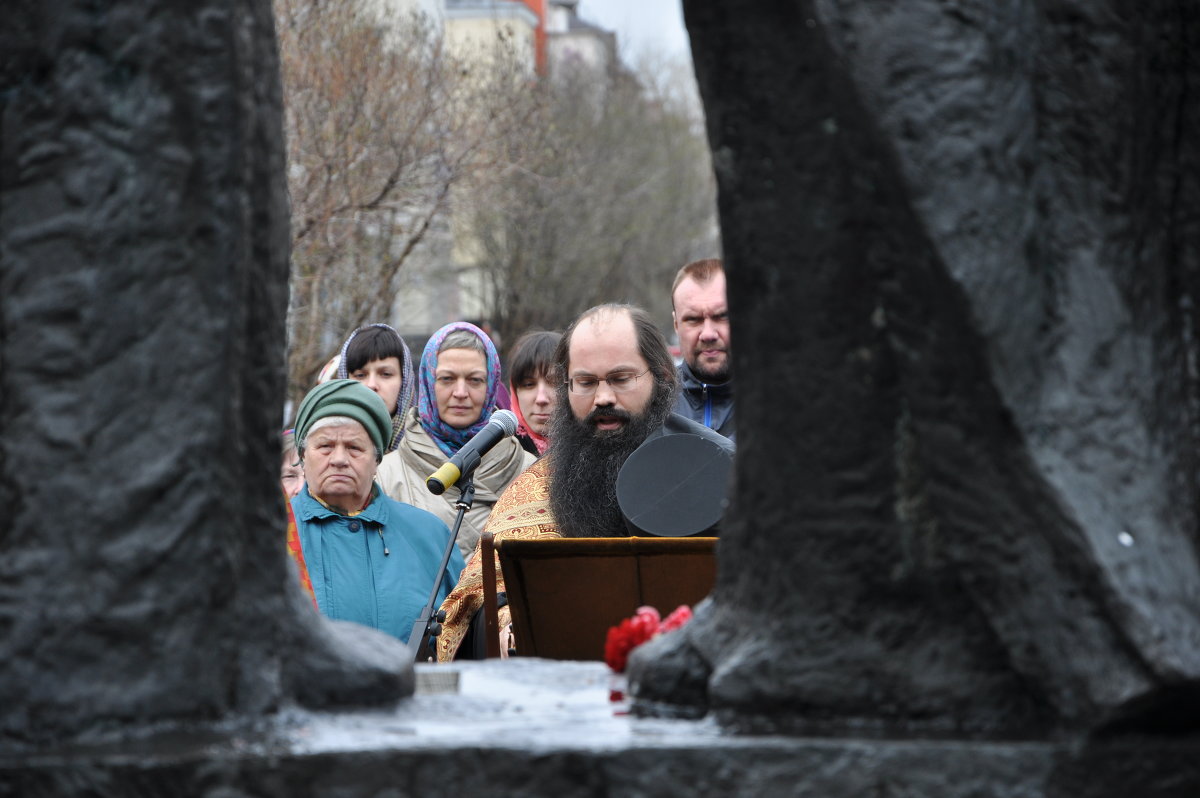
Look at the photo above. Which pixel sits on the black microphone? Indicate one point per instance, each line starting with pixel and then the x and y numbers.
pixel 502 424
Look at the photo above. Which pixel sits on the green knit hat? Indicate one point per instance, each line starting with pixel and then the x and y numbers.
pixel 348 398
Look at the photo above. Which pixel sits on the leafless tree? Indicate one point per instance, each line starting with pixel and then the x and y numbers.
pixel 381 123
pixel 602 199
pixel 557 194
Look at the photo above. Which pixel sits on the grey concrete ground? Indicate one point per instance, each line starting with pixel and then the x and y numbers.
pixel 539 728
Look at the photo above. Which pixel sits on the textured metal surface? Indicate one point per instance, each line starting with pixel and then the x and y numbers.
pixel 144 238
pixel 964 266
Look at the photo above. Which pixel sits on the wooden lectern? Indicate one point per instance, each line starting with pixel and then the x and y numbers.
pixel 565 593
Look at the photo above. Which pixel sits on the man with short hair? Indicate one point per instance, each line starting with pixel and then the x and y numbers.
pixel 616 384
pixel 371 559
pixel 701 318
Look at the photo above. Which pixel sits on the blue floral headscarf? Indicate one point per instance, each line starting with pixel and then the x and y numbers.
pixel 449 439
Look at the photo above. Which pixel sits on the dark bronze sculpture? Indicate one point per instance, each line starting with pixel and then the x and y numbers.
pixel 964 265
pixel 143 226
pixel 963 241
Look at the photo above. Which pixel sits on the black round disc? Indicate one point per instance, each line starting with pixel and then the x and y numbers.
pixel 674 486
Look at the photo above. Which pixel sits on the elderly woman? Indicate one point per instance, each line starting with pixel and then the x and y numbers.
pixel 377 356
pixel 456 394
pixel 372 560
pixel 531 382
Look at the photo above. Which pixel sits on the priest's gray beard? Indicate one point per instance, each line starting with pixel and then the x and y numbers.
pixel 584 464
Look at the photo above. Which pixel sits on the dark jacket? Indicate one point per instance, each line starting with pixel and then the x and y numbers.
pixel 710 405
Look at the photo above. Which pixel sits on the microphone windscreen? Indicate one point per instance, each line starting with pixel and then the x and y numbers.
pixel 507 420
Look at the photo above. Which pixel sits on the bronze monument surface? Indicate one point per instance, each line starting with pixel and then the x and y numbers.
pixel 143 226
pixel 963 239
pixel 963 253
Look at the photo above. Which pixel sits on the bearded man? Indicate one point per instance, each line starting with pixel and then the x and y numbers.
pixel 616 386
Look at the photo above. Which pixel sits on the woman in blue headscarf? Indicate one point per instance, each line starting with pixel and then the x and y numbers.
pixel 456 395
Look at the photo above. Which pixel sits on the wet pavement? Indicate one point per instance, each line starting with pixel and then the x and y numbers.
pixel 538 728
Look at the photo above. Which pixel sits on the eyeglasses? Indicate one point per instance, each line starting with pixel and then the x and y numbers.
pixel 620 382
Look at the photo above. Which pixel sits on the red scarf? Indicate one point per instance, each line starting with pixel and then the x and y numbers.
pixel 293 547
pixel 523 428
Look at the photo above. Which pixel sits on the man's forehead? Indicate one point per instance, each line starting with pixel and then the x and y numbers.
pixel 707 295
pixel 610 336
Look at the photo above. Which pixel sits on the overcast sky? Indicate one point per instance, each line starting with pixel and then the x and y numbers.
pixel 641 24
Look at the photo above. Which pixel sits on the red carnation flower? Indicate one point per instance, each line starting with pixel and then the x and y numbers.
pixel 682 614
pixel 632 632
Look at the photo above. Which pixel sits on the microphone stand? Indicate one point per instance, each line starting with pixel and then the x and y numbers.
pixel 429 620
